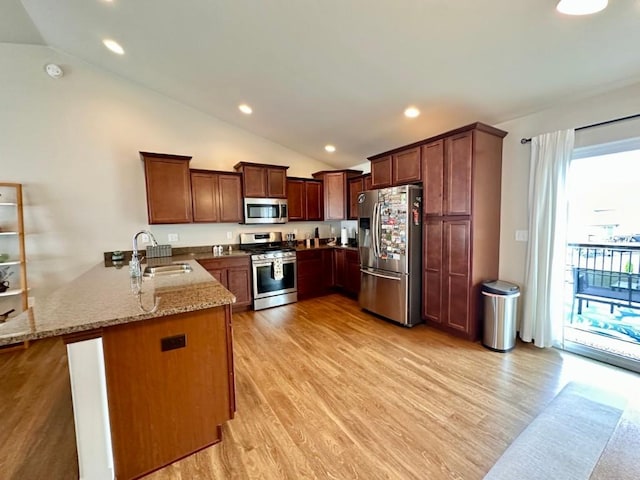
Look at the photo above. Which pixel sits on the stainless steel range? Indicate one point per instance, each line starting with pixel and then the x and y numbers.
pixel 274 269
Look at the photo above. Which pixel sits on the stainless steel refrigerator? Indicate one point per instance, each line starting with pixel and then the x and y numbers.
pixel 390 243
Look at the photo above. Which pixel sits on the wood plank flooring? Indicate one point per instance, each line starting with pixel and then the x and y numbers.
pixel 324 391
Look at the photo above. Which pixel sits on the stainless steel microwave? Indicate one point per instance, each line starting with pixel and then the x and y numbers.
pixel 265 210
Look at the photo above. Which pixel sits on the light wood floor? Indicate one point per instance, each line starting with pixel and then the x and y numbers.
pixel 324 391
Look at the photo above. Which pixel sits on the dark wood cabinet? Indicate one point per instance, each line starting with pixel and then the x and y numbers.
pixel 347 271
pixel 314 272
pixel 462 177
pixel 304 199
pixel 357 185
pixel 407 166
pixel 263 181
pixel 397 168
pixel 234 273
pixel 381 172
pixel 217 196
pixel 335 192
pixel 168 185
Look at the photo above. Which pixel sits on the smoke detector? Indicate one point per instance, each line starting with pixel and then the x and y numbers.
pixel 53 70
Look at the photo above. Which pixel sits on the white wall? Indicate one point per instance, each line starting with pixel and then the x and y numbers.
pixel 74 143
pixel 515 161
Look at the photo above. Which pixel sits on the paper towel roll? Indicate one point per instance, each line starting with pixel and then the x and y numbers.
pixel 344 238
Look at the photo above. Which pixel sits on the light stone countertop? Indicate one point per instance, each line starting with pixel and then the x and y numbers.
pixel 106 296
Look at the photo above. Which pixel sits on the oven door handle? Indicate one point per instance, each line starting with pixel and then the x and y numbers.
pixel 269 263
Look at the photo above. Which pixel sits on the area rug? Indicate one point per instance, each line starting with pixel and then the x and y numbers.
pixel 565 440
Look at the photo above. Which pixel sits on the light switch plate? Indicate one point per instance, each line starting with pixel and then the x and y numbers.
pixel 522 235
pixel 145 238
pixel 173 237
pixel 229 235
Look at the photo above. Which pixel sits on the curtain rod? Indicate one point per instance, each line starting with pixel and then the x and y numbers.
pixel 607 122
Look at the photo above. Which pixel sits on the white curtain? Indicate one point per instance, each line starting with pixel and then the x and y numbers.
pixel 543 289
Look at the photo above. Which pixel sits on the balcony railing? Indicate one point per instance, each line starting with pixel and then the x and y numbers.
pixel 606 273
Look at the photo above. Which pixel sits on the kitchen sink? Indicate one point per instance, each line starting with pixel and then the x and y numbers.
pixel 173 269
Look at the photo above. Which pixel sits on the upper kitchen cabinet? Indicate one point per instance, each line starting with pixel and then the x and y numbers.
pixel 263 181
pixel 462 170
pixel 396 168
pixel 217 196
pixel 336 193
pixel 168 187
pixel 357 185
pixel 304 198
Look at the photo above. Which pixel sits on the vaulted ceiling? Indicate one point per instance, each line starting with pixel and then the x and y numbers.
pixel 342 71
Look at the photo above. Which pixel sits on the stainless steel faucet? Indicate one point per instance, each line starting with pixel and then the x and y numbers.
pixel 134 264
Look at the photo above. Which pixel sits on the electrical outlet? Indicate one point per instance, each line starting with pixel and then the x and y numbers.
pixel 144 238
pixel 31 301
pixel 229 235
pixel 522 235
pixel 173 237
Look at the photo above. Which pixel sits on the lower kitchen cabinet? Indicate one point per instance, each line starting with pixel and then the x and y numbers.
pixel 234 273
pixel 315 272
pixel 347 271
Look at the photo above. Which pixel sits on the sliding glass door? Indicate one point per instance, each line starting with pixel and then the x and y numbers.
pixel 602 267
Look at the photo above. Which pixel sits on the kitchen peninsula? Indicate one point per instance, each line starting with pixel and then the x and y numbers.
pixel 150 361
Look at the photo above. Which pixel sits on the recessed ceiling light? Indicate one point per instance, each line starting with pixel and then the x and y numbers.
pixel 581 7
pixel 411 112
pixel 330 148
pixel 246 109
pixel 113 46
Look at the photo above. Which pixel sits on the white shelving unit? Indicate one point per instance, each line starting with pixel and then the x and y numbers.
pixel 13 262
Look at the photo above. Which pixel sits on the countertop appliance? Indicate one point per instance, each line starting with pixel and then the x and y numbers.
pixel 273 265
pixel 389 239
pixel 265 210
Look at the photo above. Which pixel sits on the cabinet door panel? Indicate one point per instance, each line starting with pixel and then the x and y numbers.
pixel 355 187
pixel 314 200
pixel 433 177
pixel 459 160
pixel 168 190
pixel 367 182
pixel 406 167
pixel 204 189
pixel 456 273
pixel 239 283
pixel 432 286
pixel 255 182
pixel 339 267
pixel 334 194
pixel 220 275
pixel 381 175
pixel 230 198
pixel 276 182
pixel 296 199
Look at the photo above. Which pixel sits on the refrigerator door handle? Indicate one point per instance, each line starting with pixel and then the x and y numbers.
pixel 376 230
pixel 367 272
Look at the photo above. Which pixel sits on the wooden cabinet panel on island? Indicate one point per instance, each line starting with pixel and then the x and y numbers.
pixel 304 199
pixel 462 172
pixel 170 387
pixel 336 194
pixel 168 184
pixel 234 273
pixel 263 181
pixel 217 196
pixel 398 168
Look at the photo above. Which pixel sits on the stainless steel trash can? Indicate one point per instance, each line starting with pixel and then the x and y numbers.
pixel 500 315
